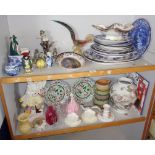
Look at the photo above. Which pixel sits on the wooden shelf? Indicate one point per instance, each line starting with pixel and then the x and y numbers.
pixel 90 70
pixel 80 128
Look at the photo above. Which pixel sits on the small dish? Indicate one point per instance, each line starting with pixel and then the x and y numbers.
pixel 70 60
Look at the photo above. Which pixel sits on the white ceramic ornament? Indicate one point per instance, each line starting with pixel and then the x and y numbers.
pixel 107 115
pixel 89 116
pixel 72 120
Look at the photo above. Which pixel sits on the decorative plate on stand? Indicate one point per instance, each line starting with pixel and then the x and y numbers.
pixel 83 91
pixel 70 60
pixel 57 92
pixel 140 35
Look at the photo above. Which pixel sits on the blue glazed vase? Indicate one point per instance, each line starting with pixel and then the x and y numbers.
pixel 17 60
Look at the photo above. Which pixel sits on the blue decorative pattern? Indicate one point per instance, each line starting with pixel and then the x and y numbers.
pixel 141 35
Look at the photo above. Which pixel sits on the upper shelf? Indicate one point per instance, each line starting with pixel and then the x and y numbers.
pixel 90 69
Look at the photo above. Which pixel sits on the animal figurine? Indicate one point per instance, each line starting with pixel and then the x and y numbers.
pixel 78 44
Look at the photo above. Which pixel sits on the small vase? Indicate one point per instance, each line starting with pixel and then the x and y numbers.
pixel 51 115
pixel 24 125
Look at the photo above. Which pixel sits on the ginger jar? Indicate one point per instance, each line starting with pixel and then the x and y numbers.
pixel 123 94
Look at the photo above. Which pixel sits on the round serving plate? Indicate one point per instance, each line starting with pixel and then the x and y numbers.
pixel 98 49
pixel 101 39
pixel 83 90
pixel 70 60
pixel 140 35
pixel 110 57
pixel 57 92
pixel 93 56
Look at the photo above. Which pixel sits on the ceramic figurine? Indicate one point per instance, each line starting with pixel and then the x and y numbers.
pixel 72 120
pixel 55 53
pixel 33 96
pixel 49 59
pixel 73 106
pixel 123 94
pixel 51 115
pixel 14 47
pixel 107 115
pixel 25 52
pixel 78 44
pixel 27 64
pixel 24 125
pixel 46 45
pixel 89 116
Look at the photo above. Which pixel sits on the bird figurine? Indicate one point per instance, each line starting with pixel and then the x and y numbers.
pixel 78 44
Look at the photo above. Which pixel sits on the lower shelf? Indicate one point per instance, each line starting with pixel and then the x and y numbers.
pixel 80 128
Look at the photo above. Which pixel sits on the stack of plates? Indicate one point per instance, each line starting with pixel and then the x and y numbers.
pixel 131 47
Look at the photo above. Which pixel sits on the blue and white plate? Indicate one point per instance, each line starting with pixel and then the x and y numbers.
pixel 140 35
pixel 104 58
pixel 108 49
pixel 101 39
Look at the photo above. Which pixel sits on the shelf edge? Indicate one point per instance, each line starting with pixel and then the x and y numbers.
pixel 79 129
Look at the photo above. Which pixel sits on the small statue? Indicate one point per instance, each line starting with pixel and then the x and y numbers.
pixel 49 59
pixel 14 46
pixel 73 106
pixel 46 45
pixel 55 53
pixel 78 44
pixel 27 64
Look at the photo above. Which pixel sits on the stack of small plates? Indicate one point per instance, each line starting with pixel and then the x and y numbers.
pixel 130 47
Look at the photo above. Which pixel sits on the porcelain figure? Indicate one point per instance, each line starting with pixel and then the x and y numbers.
pixel 73 106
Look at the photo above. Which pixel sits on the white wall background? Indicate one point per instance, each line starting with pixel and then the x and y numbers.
pixel 4 35
pixel 27 28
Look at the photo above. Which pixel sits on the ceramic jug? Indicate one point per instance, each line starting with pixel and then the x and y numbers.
pixel 24 125
pixel 123 94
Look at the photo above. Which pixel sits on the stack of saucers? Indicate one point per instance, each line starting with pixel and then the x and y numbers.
pixel 101 95
pixel 117 45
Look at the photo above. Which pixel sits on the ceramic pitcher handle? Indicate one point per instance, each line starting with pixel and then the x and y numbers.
pixel 124 79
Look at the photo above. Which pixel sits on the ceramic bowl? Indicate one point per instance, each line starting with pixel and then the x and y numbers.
pixel 12 70
pixel 70 60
